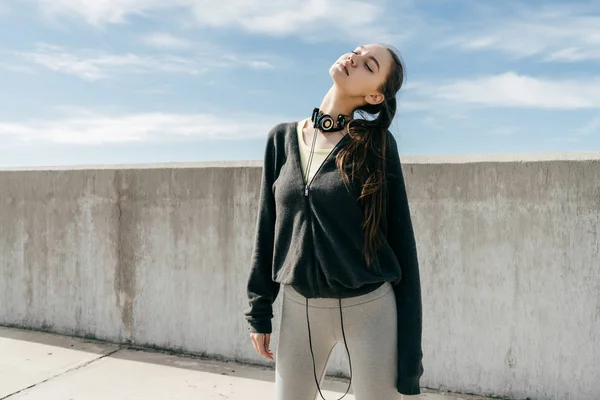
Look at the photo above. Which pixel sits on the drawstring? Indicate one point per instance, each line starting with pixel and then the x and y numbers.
pixel 311 155
pixel 313 356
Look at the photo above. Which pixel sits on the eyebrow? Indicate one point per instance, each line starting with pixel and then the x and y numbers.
pixel 371 57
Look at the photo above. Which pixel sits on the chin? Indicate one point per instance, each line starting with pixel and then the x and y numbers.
pixel 338 76
pixel 334 70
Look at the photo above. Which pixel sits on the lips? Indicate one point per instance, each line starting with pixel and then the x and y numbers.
pixel 343 66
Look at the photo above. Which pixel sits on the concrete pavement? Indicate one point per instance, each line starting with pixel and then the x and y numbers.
pixel 42 366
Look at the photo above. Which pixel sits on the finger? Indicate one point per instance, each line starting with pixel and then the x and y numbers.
pixel 267 354
pixel 267 350
pixel 267 344
pixel 261 347
pixel 259 342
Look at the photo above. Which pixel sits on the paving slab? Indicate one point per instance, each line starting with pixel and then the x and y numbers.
pixel 28 358
pixel 41 366
pixel 131 374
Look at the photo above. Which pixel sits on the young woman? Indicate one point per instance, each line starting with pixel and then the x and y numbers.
pixel 334 231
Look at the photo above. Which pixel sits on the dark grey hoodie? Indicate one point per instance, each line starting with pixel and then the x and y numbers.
pixel 310 237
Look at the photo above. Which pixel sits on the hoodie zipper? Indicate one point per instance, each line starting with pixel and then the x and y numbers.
pixel 307 200
pixel 306 192
pixel 307 185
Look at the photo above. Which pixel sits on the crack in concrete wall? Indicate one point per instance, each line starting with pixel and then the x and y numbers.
pixel 124 276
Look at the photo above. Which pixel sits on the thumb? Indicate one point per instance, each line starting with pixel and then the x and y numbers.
pixel 267 341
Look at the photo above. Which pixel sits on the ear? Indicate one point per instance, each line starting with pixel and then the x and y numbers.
pixel 374 98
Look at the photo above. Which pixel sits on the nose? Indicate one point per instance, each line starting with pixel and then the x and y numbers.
pixel 351 58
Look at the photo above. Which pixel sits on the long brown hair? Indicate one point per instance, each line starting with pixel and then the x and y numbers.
pixel 364 156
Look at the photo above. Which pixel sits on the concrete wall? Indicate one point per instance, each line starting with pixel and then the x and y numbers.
pixel 158 255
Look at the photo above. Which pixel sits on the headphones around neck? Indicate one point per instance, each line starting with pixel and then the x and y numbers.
pixel 324 122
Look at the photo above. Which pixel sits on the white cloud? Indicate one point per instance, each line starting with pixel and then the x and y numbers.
pixel 508 90
pixel 85 127
pixel 93 65
pixel 98 12
pixel 245 61
pixel 260 65
pixel 166 41
pixel 4 8
pixel 281 18
pixel 552 33
pixel 309 19
pixel 16 68
pixel 574 54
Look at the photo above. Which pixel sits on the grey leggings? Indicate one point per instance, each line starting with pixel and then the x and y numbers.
pixel 371 336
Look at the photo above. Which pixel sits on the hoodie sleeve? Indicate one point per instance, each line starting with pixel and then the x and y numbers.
pixel 261 289
pixel 401 238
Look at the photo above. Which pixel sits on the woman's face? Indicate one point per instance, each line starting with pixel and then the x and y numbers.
pixel 362 72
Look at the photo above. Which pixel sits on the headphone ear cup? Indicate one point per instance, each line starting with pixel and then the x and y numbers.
pixel 326 122
pixel 315 116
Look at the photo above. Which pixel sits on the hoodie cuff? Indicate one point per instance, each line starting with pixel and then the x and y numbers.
pixel 260 326
pixel 408 386
pixel 408 383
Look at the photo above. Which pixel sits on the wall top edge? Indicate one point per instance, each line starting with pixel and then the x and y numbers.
pixel 405 159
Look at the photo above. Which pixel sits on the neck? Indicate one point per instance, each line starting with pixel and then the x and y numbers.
pixel 334 104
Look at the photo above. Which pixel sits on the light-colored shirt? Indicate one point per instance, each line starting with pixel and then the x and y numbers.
pixel 319 155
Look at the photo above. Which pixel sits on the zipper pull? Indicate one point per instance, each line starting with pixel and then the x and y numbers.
pixel 306 191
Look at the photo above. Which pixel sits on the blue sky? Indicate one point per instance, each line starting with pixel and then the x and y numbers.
pixel 144 81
